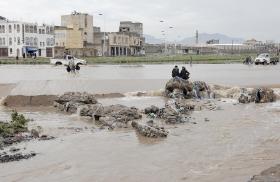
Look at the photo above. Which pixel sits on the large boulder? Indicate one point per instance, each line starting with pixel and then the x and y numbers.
pixel 179 88
pixel 263 95
pixel 77 97
pixel 183 89
pixel 119 116
pixel 149 131
pixel 258 95
pixel 92 110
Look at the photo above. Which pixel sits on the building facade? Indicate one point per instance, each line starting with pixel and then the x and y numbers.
pixel 22 39
pixel 76 31
pixel 118 44
pixel 128 41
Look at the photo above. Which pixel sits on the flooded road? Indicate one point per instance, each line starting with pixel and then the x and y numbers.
pixel 47 79
pixel 238 142
pixel 225 149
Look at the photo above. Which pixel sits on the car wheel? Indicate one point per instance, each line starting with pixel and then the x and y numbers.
pixel 58 63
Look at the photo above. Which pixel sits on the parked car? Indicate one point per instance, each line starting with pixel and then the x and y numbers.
pixel 263 59
pixel 66 61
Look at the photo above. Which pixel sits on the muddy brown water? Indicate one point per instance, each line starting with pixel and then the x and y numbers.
pixel 238 142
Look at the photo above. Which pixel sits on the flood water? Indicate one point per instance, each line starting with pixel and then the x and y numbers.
pixel 238 142
pixel 46 79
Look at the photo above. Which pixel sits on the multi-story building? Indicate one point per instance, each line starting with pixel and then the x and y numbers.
pixel 128 26
pixel 22 39
pixel 128 41
pixel 118 44
pixel 76 31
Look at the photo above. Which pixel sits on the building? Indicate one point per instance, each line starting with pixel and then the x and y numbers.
pixel 213 41
pixel 76 31
pixel 24 39
pixel 128 41
pixel 128 26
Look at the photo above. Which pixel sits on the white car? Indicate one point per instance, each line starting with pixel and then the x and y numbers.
pixel 67 60
pixel 263 59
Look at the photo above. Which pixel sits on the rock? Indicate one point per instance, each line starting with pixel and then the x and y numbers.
pixel 13 149
pixel 46 137
pixel 184 106
pixel 179 88
pixel 150 123
pixel 258 95
pixel 92 110
pixel 244 98
pixel 149 131
pixel 4 158
pixel 34 133
pixel 263 95
pixel 270 175
pixel 77 97
pixel 119 116
pixel 152 109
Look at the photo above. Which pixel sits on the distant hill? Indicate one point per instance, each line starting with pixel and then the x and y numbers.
pixel 152 40
pixel 204 37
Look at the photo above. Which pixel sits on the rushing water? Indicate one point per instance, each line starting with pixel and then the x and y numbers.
pixel 238 142
pixel 38 79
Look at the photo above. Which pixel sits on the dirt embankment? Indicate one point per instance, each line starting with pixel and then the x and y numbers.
pixel 42 100
pixel 23 101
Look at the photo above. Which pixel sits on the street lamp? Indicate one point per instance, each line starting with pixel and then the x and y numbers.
pixel 104 36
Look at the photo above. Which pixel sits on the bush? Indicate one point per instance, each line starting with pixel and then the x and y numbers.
pixel 18 124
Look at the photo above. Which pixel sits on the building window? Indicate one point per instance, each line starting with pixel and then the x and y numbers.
pixel 35 41
pixel 18 28
pixel 31 29
pixel 51 30
pixel 11 51
pixel 40 31
pixel 10 41
pixel 4 41
pixel 10 28
pixel 43 31
pixel 47 30
pixel 18 41
pixel 35 29
pixel 26 28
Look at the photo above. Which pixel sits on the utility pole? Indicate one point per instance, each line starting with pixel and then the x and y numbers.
pixel 196 37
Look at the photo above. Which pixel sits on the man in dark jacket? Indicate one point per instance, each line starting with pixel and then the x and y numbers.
pixel 184 74
pixel 175 72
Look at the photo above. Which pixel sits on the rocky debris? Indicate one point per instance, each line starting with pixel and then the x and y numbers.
pixel 263 95
pixel 95 110
pixel 244 98
pixel 34 133
pixel 152 110
pixel 86 105
pixel 150 131
pixel 179 88
pixel 201 90
pixel 184 106
pixel 5 158
pixel 77 97
pixel 183 89
pixel 258 95
pixel 46 137
pixel 119 116
pixel 270 175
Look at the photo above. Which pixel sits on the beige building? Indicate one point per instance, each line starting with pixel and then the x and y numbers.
pixel 76 31
pixel 118 44
pixel 128 41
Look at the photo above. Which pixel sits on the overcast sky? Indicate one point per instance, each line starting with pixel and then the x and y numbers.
pixel 247 19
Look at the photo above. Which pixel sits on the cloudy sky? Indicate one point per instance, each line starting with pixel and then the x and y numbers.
pixel 258 19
